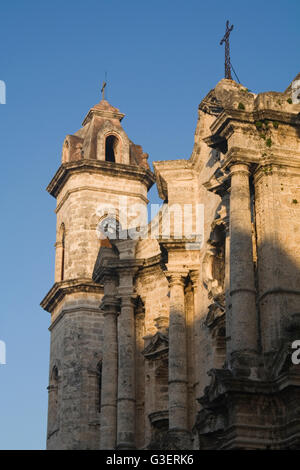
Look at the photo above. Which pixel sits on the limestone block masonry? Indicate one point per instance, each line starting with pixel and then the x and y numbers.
pixel 168 342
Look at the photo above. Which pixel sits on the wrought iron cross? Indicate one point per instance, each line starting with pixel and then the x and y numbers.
pixel 103 90
pixel 227 50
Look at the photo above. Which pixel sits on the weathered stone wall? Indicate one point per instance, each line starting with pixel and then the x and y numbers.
pixel 277 202
pixel 207 161
pixel 76 339
pixel 87 189
pixel 180 309
pixel 84 201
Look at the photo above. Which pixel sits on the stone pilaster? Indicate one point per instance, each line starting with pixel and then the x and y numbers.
pixel 126 363
pixel 195 278
pixel 126 377
pixel 178 413
pixel 190 340
pixel 108 425
pixel 227 291
pixel 140 376
pixel 243 323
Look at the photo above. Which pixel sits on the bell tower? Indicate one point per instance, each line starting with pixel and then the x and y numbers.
pixel 103 173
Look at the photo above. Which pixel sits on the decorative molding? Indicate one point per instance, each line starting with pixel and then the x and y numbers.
pixel 158 346
pixel 60 289
pixel 210 104
pixel 98 166
pixel 278 290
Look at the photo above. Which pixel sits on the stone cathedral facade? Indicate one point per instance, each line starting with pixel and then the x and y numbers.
pixel 179 342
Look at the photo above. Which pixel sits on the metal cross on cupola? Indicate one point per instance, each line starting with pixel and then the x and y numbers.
pixel 103 90
pixel 227 50
pixel 104 84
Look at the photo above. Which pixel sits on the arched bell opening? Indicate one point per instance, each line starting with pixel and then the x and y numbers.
pixel 111 148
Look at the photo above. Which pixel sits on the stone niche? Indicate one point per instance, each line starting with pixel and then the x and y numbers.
pixel 156 357
pixel 214 281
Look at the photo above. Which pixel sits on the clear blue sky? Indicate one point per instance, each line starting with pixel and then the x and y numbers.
pixel 162 57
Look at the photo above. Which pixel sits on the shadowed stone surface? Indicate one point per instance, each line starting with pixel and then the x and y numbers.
pixel 176 342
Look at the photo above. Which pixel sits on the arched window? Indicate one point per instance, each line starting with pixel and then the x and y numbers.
pixel 53 401
pixel 99 384
pixel 62 251
pixel 111 147
pixel 54 375
pixel 60 254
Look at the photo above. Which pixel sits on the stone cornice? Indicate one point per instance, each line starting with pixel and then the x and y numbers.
pixel 102 114
pixel 172 165
pixel 150 266
pixel 98 166
pixel 224 383
pixel 245 155
pixel 60 289
pixel 230 119
pixel 116 266
pixel 242 155
pixel 266 168
pixel 103 264
pixel 176 244
pixel 222 121
pixel 153 261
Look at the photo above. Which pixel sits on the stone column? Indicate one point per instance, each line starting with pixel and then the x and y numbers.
pixel 108 417
pixel 178 416
pixel 140 377
pixel 244 331
pixel 227 291
pixel 195 278
pixel 190 340
pixel 126 364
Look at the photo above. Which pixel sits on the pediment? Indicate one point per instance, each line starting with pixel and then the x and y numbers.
pixel 210 104
pixel 159 345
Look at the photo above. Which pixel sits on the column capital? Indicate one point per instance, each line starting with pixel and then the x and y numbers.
pixel 176 278
pixel 127 300
pixel 109 304
pixel 240 168
pixel 127 270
